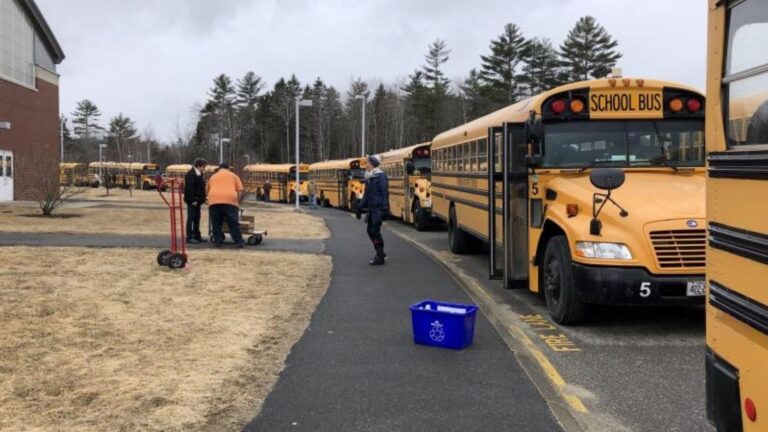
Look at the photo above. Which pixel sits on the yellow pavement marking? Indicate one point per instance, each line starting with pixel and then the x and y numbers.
pixel 551 372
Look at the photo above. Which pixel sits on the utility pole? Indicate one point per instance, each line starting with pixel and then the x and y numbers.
pixel 299 103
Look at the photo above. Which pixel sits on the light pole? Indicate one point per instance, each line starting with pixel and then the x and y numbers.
pixel 362 129
pixel 221 148
pixel 101 160
pixel 61 136
pixel 299 103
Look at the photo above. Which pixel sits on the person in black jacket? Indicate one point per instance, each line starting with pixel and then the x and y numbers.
pixel 194 197
pixel 376 200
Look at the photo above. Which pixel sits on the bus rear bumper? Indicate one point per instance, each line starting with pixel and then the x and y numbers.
pixel 633 286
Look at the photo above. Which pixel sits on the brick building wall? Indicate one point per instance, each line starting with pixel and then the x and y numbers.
pixel 34 134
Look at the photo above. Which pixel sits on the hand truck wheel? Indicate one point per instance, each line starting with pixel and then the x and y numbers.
pixel 164 257
pixel 177 261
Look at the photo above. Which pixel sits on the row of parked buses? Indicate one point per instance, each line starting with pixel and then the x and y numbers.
pixel 116 174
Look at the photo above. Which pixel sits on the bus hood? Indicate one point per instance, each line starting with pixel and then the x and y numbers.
pixel 648 196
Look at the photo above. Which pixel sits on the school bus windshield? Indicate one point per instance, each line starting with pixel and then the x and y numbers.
pixel 624 143
pixel 357 173
pixel 422 165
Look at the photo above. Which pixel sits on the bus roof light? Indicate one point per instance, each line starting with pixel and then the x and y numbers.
pixel 577 106
pixel 750 410
pixel 675 105
pixel 640 82
pixel 693 105
pixel 558 106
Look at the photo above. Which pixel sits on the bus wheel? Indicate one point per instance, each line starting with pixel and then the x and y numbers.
pixel 145 186
pixel 292 197
pixel 420 217
pixel 353 204
pixel 559 286
pixel 458 240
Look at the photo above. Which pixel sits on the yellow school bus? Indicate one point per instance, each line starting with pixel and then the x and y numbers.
pixel 525 180
pixel 737 205
pixel 177 171
pixel 136 175
pixel 340 183
pixel 73 174
pixel 282 178
pixel 100 173
pixel 409 170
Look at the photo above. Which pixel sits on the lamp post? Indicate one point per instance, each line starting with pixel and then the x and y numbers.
pixel 221 148
pixel 299 103
pixel 61 136
pixel 101 160
pixel 362 129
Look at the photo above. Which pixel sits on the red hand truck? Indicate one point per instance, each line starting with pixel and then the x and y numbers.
pixel 176 256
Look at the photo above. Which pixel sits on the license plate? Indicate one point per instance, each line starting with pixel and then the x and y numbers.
pixel 695 288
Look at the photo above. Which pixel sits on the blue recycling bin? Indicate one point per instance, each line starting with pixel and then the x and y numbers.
pixel 444 325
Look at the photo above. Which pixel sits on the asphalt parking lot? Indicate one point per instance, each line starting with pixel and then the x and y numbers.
pixel 634 369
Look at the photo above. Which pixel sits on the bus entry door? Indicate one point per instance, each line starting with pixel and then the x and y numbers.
pixel 508 205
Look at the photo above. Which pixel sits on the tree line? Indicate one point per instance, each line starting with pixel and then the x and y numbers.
pixel 257 124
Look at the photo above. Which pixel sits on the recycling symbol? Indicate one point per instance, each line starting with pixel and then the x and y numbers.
pixel 437 333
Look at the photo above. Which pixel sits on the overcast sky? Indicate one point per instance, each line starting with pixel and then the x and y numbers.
pixel 154 59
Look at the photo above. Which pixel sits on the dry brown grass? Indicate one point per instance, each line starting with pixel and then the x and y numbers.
pixel 108 340
pixel 280 222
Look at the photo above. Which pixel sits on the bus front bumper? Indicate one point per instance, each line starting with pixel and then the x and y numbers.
pixel 635 286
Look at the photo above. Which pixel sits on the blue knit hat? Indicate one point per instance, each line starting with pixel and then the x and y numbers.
pixel 374 160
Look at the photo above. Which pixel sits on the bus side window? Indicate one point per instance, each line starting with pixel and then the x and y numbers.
pixel 482 155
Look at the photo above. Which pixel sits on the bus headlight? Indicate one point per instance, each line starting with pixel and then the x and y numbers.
pixel 598 250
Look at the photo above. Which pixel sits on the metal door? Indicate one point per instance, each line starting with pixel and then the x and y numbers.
pixel 496 181
pixel 408 194
pixel 6 175
pixel 515 207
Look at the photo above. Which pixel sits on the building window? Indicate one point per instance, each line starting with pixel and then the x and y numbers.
pixel 17 39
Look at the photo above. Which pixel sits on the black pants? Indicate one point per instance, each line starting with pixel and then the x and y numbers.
pixel 221 213
pixel 374 218
pixel 193 222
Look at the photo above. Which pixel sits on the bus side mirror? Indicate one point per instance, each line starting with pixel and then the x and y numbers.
pixel 410 167
pixel 607 179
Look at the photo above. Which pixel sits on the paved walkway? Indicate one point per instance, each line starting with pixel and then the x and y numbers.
pixel 357 369
pixel 147 241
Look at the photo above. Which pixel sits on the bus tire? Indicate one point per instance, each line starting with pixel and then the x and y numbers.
pixel 145 186
pixel 559 285
pixel 353 204
pixel 292 197
pixel 420 217
pixel 458 240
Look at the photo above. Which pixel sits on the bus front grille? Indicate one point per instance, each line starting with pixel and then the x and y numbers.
pixel 680 248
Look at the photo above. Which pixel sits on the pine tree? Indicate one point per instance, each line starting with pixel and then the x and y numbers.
pixel 474 98
pixel 499 69
pixel 588 50
pixel 86 119
pixel 248 89
pixel 246 98
pixel 542 70
pixel 436 56
pixel 121 130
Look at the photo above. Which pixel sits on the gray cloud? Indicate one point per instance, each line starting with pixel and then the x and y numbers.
pixel 153 60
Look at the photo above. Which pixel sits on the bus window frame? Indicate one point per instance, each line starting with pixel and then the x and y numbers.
pixel 727 80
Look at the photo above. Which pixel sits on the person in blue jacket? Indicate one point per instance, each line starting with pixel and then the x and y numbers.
pixel 376 200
